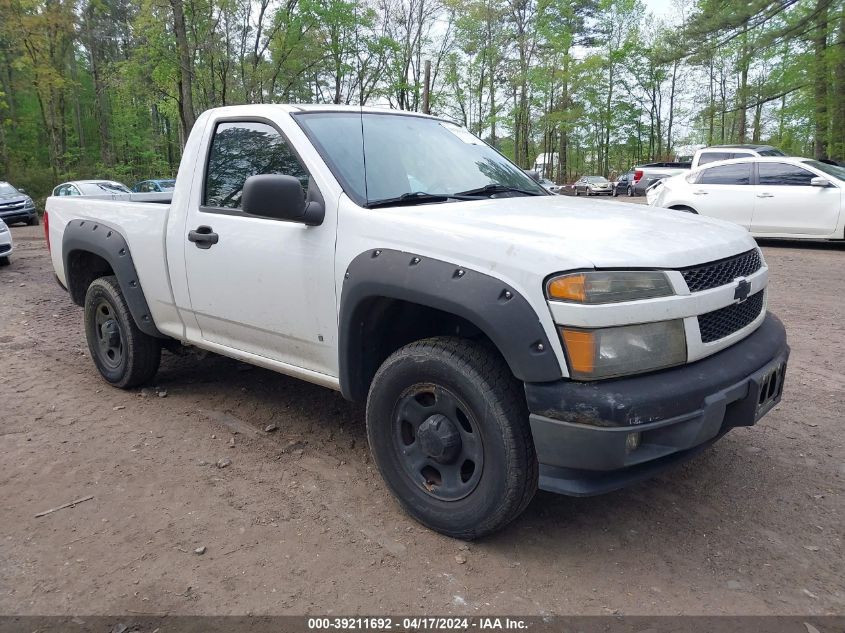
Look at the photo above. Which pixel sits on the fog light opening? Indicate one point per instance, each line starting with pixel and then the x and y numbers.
pixel 632 442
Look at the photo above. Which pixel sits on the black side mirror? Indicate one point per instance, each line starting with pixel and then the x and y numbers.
pixel 281 198
pixel 21 189
pixel 533 174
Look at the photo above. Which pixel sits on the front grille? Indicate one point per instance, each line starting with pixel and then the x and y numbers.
pixel 12 206
pixel 4 248
pixel 725 321
pixel 721 272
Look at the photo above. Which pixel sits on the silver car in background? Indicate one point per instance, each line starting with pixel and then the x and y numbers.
pixel 593 186
pixel 100 188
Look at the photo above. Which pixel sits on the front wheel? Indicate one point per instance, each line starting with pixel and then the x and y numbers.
pixel 33 221
pixel 124 355
pixel 448 429
pixel 4 261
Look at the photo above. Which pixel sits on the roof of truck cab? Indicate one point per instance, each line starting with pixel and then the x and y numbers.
pixel 331 107
pixel 754 146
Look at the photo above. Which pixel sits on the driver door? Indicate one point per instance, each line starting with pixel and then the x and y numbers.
pixel 262 286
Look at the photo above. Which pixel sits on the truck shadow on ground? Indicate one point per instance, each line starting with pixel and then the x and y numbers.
pixel 712 494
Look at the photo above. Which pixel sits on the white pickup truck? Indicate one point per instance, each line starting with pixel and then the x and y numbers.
pixel 502 338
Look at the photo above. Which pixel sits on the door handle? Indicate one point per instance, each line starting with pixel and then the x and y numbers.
pixel 765 195
pixel 700 193
pixel 204 237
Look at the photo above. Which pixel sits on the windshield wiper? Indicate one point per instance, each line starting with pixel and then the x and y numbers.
pixel 492 188
pixel 406 199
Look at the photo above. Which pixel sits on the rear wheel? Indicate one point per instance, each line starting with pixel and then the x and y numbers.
pixel 123 354
pixel 448 428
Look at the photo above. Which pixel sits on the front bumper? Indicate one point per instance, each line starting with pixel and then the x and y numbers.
pixel 18 215
pixel 581 429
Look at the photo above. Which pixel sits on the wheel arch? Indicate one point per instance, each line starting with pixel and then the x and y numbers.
pixel 391 298
pixel 90 250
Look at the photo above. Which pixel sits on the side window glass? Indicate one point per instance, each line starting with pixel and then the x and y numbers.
pixel 783 175
pixel 242 149
pixel 712 157
pixel 726 175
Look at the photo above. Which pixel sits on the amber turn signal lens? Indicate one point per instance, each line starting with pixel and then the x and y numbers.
pixel 568 288
pixel 580 346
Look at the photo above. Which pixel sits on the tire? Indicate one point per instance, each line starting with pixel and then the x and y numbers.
pixel 4 261
pixel 33 221
pixel 123 354
pixel 630 192
pixel 576 192
pixel 458 394
pixel 614 193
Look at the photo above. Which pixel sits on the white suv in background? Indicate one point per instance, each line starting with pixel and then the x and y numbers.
pixel 770 196
pixel 715 153
pixel 6 246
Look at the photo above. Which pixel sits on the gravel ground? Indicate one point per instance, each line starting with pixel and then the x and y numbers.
pixel 300 521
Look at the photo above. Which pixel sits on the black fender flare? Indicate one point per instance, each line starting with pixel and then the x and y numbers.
pixel 494 307
pixel 93 236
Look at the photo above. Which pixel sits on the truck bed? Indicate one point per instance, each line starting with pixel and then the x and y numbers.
pixel 142 220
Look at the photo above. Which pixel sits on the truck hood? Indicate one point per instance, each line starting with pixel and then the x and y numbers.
pixel 12 197
pixel 566 233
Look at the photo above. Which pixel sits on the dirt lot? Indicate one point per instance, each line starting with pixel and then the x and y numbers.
pixel 300 521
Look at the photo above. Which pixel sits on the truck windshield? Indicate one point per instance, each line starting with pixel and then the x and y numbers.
pixel 7 190
pixel 384 158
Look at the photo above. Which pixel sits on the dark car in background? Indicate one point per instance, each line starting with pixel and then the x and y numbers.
pixel 16 206
pixel 624 186
pixel 154 186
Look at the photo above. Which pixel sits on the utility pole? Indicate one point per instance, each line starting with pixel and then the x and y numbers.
pixel 427 88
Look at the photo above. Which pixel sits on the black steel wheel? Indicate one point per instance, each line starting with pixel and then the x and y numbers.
pixel 448 428
pixel 439 442
pixel 109 336
pixel 124 355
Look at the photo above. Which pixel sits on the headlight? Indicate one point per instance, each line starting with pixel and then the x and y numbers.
pixel 3 227
pixel 609 286
pixel 28 203
pixel 620 351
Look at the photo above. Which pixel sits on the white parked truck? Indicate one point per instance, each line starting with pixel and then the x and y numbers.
pixel 501 337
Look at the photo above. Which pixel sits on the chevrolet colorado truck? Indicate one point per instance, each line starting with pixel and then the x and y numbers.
pixel 503 338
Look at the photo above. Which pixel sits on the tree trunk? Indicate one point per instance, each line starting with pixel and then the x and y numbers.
pixel 742 93
pixel 837 150
pixel 186 99
pixel 820 80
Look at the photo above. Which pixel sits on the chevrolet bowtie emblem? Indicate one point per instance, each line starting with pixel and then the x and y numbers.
pixel 742 290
